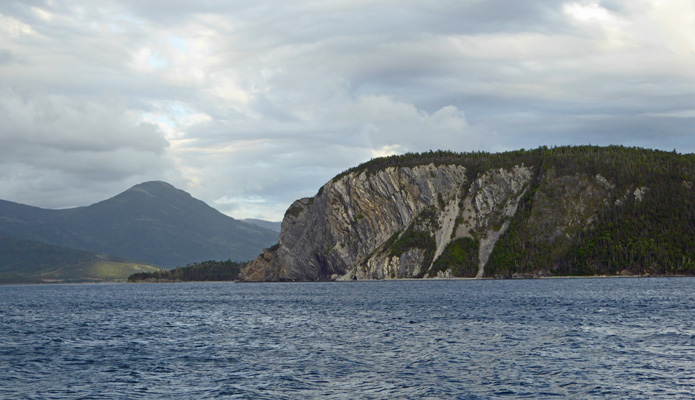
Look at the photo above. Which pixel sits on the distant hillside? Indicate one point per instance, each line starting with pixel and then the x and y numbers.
pixel 273 226
pixel 152 222
pixel 204 271
pixel 25 261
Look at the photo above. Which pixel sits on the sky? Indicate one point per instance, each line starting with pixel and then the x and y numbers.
pixel 250 105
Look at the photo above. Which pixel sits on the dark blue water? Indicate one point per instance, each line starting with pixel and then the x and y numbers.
pixel 553 338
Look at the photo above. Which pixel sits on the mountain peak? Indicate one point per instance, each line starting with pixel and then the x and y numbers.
pixel 153 185
pixel 160 184
pixel 157 189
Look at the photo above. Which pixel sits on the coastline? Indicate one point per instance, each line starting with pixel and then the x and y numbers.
pixel 357 280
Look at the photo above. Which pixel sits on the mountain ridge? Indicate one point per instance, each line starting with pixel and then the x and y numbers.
pixel 152 222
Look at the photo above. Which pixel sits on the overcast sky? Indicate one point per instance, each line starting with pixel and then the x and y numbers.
pixel 249 105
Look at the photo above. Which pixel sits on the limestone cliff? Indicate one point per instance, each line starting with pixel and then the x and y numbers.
pixel 352 228
pixel 445 214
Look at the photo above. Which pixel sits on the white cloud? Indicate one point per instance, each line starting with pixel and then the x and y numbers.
pixel 384 122
pixel 13 28
pixel 587 12
pixel 43 14
pixel 250 105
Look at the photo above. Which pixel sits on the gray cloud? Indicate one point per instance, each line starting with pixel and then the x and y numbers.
pixel 5 56
pixel 60 143
pixel 250 105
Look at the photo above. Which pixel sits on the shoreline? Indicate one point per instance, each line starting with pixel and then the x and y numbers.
pixel 480 279
pixel 357 280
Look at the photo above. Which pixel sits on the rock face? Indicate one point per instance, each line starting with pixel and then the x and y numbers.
pixel 391 224
pixel 561 211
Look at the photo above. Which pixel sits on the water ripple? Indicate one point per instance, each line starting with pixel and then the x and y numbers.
pixel 540 339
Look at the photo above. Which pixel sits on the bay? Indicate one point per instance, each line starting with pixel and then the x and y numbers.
pixel 466 339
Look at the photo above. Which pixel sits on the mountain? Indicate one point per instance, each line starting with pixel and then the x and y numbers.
pixel 561 211
pixel 25 261
pixel 152 222
pixel 273 226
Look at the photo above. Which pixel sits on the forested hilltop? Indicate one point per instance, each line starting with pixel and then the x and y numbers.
pixel 583 210
pixel 204 271
pixel 646 224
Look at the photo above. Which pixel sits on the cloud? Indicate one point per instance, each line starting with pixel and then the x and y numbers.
pixel 13 28
pixel 251 104
pixel 53 138
pixel 385 122
pixel 279 162
pixel 5 56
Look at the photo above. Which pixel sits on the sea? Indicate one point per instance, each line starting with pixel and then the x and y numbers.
pixel 602 338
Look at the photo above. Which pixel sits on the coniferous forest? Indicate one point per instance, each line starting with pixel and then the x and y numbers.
pixel 203 271
pixel 646 225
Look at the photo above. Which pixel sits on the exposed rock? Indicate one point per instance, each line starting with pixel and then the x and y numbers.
pixel 639 193
pixel 604 182
pixel 350 228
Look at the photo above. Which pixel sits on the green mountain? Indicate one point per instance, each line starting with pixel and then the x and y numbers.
pixel 561 211
pixel 152 222
pixel 25 261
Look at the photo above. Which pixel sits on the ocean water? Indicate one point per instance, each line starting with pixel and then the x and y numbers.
pixel 465 339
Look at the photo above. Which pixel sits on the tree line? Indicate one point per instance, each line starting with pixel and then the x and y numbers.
pixel 203 271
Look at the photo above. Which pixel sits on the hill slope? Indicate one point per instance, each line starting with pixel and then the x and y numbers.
pixel 561 211
pixel 272 225
pixel 25 261
pixel 152 222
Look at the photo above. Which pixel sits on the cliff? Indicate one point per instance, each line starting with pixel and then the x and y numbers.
pixel 569 210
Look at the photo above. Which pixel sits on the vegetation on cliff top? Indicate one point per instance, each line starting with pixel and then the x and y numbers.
pixel 475 161
pixel 617 163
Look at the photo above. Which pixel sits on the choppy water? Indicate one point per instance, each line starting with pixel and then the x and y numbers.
pixel 555 338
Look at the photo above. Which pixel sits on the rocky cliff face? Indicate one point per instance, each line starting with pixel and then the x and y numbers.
pixel 562 211
pixel 394 223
